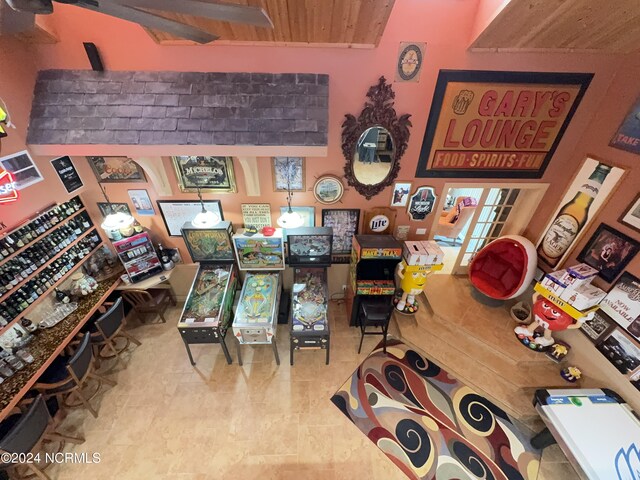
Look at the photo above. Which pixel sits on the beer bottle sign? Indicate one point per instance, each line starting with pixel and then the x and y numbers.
pixel 571 218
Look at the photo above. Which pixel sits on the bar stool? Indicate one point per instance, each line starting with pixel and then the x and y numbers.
pixel 375 313
pixel 65 377
pixel 144 302
pixel 28 432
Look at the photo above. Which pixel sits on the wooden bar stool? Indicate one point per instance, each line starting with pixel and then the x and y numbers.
pixel 375 312
pixel 144 302
pixel 66 377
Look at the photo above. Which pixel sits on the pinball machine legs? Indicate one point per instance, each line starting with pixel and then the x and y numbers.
pixel 273 345
pixel 223 344
pixel 186 345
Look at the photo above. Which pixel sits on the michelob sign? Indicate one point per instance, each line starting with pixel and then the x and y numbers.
pixel 487 124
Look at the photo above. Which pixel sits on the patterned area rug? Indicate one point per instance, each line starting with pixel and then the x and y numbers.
pixel 431 425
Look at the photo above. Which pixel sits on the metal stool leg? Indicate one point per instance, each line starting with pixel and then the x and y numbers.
pixel 361 339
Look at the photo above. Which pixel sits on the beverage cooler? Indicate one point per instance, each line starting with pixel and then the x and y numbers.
pixel 138 256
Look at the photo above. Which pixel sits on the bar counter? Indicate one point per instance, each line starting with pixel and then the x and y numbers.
pixel 48 343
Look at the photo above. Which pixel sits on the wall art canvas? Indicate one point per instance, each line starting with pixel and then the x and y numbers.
pixel 210 174
pixel 344 222
pixel 24 170
pixel 141 202
pixel 256 214
pixel 67 173
pixel 631 217
pixel 400 194
pixel 609 251
pixel 564 231
pixel 116 169
pixel 288 174
pixel 491 124
pixel 107 208
pixel 628 135
pixel 622 303
pixel 175 213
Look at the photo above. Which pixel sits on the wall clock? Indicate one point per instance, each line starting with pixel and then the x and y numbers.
pixel 410 59
pixel 328 189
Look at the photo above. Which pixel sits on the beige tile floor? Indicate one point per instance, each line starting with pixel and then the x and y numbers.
pixel 168 420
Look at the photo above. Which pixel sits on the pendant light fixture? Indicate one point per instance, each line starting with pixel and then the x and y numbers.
pixel 290 219
pixel 114 221
pixel 205 219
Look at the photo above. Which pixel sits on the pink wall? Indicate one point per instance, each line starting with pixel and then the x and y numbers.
pixel 444 26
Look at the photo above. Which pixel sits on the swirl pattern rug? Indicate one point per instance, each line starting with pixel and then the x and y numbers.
pixel 431 425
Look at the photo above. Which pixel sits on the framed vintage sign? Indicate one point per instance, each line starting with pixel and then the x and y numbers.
pixel 609 251
pixel 176 212
pixel 622 303
pixel 107 208
pixel 328 189
pixel 256 214
pixel 379 221
pixel 344 222
pixel 116 169
pixel 486 124
pixel 631 217
pixel 141 202
pixel 421 203
pixel 628 135
pixel 67 173
pixel 23 169
pixel 410 59
pixel 400 194
pixel 598 327
pixel 210 174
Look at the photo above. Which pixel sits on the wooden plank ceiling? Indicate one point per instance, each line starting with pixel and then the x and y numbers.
pixel 339 22
pixel 564 25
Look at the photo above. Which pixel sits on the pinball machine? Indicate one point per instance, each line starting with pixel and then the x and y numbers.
pixel 207 312
pixel 309 255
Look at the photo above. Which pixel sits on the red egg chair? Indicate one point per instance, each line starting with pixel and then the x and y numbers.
pixel 504 268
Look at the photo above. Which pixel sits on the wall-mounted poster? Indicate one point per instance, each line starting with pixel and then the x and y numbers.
pixel 116 169
pixel 344 222
pixel 609 251
pixel 107 208
pixel 176 212
pixel 622 303
pixel 421 203
pixel 67 173
pixel 256 214
pixel 288 174
pixel 210 174
pixel 410 59
pixel 631 217
pixel 628 135
pixel 486 124
pixel 24 170
pixel 585 196
pixel 598 327
pixel 621 351
pixel 400 194
pixel 141 202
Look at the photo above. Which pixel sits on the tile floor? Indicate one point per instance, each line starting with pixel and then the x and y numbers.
pixel 168 420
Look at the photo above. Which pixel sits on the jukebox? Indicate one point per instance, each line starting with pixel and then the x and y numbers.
pixel 309 256
pixel 207 312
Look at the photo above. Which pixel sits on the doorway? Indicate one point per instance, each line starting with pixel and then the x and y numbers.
pixel 473 215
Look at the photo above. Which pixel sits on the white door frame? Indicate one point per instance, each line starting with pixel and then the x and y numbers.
pixel 516 226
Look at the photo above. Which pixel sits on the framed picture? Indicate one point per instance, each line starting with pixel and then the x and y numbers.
pixel 288 174
pixel 599 327
pixel 67 173
pixel 410 58
pixel 621 351
pixel 141 202
pixel 631 217
pixel 485 124
pixel 345 222
pixel 421 203
pixel 400 194
pixel 175 213
pixel 107 208
pixel 256 214
pixel 628 135
pixel 24 170
pixel 210 174
pixel 609 251
pixel 622 303
pixel 562 232
pixel 328 189
pixel 116 169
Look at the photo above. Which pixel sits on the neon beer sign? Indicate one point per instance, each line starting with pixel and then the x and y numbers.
pixel 8 191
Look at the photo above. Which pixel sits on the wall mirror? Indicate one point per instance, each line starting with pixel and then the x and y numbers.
pixel 374 143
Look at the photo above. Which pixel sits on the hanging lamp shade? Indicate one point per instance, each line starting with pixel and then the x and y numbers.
pixel 290 219
pixel 205 219
pixel 116 221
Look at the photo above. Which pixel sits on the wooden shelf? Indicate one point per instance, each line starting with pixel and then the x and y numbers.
pixel 47 263
pixel 42 236
pixel 50 290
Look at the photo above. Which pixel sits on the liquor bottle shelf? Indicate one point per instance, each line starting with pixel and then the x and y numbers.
pixel 33 275
pixel 45 294
pixel 42 236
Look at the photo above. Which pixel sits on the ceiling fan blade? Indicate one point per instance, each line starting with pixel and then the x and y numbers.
pixel 13 21
pixel 224 12
pixel 149 20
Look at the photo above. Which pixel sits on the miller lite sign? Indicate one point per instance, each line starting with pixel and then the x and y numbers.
pixel 379 223
pixel 8 191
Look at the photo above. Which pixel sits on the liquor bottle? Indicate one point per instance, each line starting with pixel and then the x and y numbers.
pixel 571 218
pixel 137 227
pixel 77 230
pixel 61 296
pixel 85 221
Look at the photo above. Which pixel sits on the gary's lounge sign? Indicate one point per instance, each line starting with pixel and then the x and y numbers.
pixel 497 124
